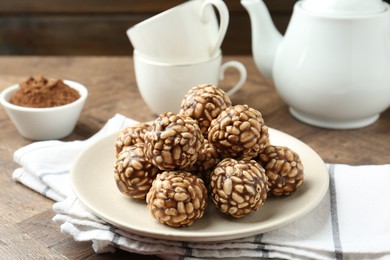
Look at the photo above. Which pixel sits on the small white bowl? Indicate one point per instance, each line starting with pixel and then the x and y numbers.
pixel 45 123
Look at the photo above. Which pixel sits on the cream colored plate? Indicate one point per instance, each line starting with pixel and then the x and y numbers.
pixel 93 182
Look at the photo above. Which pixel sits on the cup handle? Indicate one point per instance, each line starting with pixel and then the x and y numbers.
pixel 223 18
pixel 241 69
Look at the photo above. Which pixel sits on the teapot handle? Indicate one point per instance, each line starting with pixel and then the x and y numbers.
pixel 223 18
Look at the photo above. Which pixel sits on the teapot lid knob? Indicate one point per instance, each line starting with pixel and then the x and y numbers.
pixel 344 7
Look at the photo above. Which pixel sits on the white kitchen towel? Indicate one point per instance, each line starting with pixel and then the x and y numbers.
pixel 45 165
pixel 351 222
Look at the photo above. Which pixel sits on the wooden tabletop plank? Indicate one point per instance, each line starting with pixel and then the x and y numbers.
pixel 16 243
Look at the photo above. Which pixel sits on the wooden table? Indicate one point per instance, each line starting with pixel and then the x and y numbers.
pixel 26 229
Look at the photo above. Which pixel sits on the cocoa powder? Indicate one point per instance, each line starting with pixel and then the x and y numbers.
pixel 40 92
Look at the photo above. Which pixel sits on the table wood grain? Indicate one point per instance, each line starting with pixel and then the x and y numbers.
pixel 26 228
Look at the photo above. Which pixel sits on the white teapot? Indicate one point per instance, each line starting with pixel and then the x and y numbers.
pixel 332 67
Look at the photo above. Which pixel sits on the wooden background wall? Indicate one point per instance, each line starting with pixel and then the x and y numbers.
pixel 98 27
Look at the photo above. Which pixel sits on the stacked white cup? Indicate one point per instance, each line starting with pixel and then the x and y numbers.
pixel 178 49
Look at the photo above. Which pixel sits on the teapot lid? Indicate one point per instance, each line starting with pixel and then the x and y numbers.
pixel 344 7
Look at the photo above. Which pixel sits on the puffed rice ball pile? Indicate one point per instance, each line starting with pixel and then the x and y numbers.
pixel 209 149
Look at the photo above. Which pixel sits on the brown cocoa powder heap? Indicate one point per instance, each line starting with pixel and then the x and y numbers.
pixel 40 92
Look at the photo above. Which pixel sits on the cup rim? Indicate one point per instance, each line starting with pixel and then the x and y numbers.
pixel 139 56
pixel 161 14
pixel 6 93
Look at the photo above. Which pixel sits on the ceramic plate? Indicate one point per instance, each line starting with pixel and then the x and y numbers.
pixel 93 182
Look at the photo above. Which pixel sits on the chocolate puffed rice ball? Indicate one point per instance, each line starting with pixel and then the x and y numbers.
pixel 284 169
pixel 173 142
pixel 133 173
pixel 238 187
pixel 208 159
pixel 204 103
pixel 177 198
pixel 239 132
pixel 131 135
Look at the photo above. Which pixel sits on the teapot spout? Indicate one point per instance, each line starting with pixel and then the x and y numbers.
pixel 265 37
